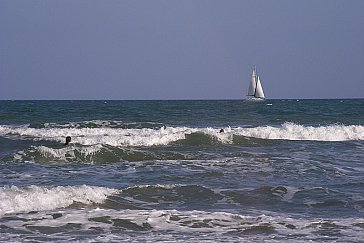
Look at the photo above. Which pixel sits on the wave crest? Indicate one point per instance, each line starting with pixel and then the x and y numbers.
pixel 36 198
pixel 123 137
pixel 291 131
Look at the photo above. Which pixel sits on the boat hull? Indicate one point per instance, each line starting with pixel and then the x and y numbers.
pixel 255 99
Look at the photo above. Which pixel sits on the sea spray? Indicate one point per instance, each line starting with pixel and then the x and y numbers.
pixel 291 131
pixel 38 198
pixel 119 137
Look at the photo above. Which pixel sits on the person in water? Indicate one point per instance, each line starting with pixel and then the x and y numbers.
pixel 68 140
pixel 222 130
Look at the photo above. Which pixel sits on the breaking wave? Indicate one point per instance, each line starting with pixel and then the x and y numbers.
pixel 291 131
pixel 173 225
pixel 92 154
pixel 118 137
pixel 43 210
pixel 160 136
pixel 36 198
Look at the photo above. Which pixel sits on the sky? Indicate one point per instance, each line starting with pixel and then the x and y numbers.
pixel 178 50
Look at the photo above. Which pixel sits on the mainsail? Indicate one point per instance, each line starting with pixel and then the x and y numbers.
pixel 255 86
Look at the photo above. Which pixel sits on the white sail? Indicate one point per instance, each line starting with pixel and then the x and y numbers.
pixel 253 83
pixel 259 90
pixel 255 86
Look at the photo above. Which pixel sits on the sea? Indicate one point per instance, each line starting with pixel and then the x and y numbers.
pixel 281 170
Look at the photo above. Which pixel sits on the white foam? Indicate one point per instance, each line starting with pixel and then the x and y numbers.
pixel 35 198
pixel 108 136
pixel 120 137
pixel 162 186
pixel 191 225
pixel 291 131
pixel 287 193
pixel 188 222
pixel 67 153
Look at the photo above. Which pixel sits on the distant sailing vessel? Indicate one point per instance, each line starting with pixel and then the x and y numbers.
pixel 255 87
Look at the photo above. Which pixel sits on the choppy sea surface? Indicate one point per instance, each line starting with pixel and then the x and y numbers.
pixel 161 171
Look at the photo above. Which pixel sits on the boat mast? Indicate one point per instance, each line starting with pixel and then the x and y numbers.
pixel 253 83
pixel 256 80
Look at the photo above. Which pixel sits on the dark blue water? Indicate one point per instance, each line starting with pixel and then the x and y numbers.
pixel 281 170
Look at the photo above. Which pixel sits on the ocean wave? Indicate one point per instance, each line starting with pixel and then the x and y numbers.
pixel 210 226
pixel 53 213
pixel 37 198
pixel 118 137
pixel 122 137
pixel 64 154
pixel 92 136
pixel 172 193
pixel 93 154
pixel 101 124
pixel 291 131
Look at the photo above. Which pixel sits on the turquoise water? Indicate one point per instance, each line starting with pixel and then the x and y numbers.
pixel 282 170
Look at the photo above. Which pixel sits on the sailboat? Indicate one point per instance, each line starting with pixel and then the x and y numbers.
pixel 255 87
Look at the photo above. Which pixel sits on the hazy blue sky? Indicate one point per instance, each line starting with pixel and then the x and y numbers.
pixel 174 49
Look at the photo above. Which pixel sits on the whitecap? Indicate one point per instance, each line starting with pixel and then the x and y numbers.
pixel 38 198
pixel 291 131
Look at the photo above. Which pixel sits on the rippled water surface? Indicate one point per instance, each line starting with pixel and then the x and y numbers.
pixel 281 170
